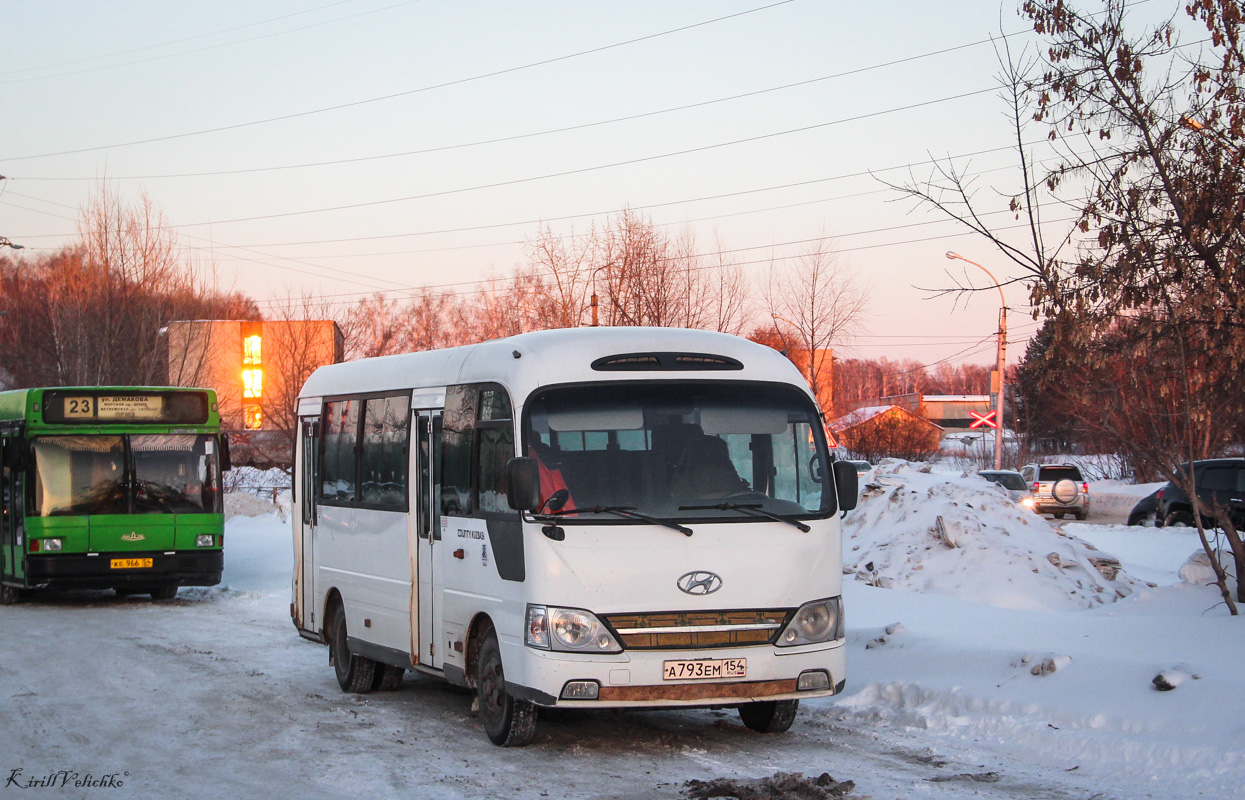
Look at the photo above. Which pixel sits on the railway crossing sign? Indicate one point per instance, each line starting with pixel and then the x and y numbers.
pixel 988 420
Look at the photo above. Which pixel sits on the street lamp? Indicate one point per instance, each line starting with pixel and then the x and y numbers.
pixel 1002 358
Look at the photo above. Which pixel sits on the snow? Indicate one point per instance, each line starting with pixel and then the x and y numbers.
pixel 971 675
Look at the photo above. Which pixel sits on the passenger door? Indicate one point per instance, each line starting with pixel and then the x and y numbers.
pixel 425 483
pixel 305 569
pixel 8 516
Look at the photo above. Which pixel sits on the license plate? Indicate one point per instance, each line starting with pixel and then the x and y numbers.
pixel 130 563
pixel 704 668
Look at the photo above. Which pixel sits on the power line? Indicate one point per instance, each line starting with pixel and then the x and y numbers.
pixel 522 136
pixel 349 297
pixel 589 214
pixel 190 39
pixel 409 92
pixel 582 170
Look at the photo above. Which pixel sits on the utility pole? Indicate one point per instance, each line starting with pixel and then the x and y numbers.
pixel 997 379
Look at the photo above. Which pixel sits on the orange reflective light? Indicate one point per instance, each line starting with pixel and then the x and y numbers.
pixel 252 350
pixel 252 382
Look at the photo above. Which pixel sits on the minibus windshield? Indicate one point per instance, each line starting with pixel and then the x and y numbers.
pixel 679 450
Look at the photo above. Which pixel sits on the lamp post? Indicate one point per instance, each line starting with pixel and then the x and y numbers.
pixel 1002 358
pixel 595 322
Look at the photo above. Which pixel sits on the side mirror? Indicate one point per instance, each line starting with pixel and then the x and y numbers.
pixel 226 463
pixel 846 484
pixel 523 483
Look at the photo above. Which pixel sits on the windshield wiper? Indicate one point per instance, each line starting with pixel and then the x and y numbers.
pixel 752 509
pixel 622 511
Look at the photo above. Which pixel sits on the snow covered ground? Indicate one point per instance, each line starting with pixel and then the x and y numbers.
pixel 978 666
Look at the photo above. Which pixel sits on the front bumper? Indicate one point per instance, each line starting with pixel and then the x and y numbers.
pixel 75 571
pixel 633 678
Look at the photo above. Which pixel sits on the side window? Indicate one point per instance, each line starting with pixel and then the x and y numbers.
pixel 1240 479
pixel 383 461
pixel 477 437
pixel 1218 479
pixel 495 446
pixel 457 429
pixel 341 435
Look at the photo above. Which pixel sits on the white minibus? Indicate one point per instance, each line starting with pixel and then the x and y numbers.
pixel 582 518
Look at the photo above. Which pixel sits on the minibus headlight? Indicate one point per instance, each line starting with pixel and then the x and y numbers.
pixel 568 630
pixel 580 632
pixel 205 540
pixel 818 621
pixel 52 545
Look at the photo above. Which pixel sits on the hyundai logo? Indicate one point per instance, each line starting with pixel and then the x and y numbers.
pixel 700 583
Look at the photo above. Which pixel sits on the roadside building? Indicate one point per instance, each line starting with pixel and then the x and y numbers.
pixel 886 431
pixel 257 368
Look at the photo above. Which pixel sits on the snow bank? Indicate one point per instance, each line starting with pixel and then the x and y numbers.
pixel 963 536
pixel 1116 498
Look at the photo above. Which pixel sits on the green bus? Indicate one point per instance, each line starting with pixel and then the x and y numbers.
pixel 110 487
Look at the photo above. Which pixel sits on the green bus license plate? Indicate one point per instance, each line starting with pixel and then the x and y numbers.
pixel 704 668
pixel 131 563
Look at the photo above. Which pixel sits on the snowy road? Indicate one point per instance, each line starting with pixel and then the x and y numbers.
pixel 213 695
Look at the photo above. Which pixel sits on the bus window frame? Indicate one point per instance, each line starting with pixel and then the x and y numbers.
pixel 322 426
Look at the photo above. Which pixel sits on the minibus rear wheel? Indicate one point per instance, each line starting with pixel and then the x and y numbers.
pixel 509 722
pixel 770 716
pixel 355 673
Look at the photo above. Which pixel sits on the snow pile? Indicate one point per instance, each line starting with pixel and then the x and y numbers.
pixel 1114 498
pixel 246 504
pixel 964 537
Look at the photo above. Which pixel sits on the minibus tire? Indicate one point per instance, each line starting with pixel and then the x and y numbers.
pixel 355 673
pixel 509 722
pixel 388 678
pixel 10 595
pixel 769 716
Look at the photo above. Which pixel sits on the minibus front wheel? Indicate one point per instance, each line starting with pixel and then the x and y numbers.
pixel 770 716
pixel 509 722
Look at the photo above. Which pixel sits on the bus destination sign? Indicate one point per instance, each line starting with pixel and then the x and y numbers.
pixel 113 408
pixel 134 407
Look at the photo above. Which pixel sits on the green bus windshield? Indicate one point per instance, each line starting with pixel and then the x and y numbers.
pixel 132 474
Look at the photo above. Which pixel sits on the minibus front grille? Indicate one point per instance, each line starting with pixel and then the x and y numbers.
pixel 697 629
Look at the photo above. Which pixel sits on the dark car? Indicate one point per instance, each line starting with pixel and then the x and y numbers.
pixel 1146 510
pixel 1219 482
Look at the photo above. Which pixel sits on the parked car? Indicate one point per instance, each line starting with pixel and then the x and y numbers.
pixel 1219 481
pixel 1146 511
pixel 1058 489
pixel 862 467
pixel 1012 482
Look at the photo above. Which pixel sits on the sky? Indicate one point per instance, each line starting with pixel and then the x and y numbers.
pixel 337 149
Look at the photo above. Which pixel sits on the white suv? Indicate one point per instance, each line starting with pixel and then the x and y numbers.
pixel 1057 489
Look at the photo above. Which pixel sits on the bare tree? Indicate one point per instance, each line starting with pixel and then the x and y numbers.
pixel 818 302
pixel 92 314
